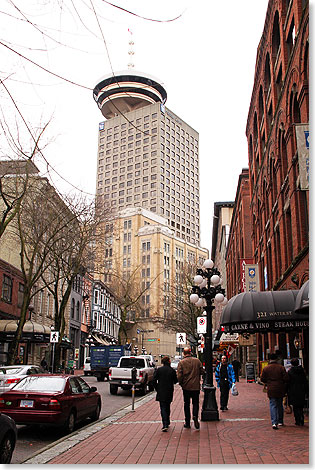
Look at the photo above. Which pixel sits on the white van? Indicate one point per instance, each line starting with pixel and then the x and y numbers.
pixel 87 366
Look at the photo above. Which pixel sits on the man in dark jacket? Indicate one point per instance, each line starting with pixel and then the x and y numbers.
pixel 225 377
pixel 189 371
pixel 164 379
pixel 276 378
pixel 297 390
pixel 236 367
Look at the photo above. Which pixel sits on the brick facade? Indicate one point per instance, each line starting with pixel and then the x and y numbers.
pixel 239 245
pixel 279 102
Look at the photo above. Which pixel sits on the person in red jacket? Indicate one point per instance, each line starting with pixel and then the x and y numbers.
pixel 276 378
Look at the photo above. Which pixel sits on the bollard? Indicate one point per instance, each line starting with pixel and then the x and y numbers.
pixel 133 380
pixel 133 398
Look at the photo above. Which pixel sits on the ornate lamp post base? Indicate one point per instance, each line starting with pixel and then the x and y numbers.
pixel 209 407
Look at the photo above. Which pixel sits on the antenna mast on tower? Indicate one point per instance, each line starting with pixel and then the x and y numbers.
pixel 131 51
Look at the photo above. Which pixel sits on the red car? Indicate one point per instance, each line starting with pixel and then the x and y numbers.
pixel 58 400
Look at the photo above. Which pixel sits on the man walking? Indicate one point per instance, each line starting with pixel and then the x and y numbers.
pixel 164 379
pixel 276 378
pixel 189 371
pixel 225 377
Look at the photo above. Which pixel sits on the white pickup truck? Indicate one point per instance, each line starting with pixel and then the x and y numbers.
pixel 121 376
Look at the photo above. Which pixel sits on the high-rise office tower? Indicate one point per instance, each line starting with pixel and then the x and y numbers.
pixel 148 170
pixel 147 156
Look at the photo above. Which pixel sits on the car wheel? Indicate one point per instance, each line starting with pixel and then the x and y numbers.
pixel 70 423
pixel 85 373
pixel 96 414
pixel 113 389
pixel 6 448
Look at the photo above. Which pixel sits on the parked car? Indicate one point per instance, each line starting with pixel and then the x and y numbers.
pixel 87 366
pixel 11 375
pixel 8 436
pixel 58 400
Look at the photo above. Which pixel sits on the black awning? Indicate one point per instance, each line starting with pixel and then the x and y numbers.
pixel 302 300
pixel 254 312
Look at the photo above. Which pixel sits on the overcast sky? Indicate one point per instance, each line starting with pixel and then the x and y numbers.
pixel 205 59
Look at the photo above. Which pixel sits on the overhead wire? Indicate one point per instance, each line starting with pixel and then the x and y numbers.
pixel 71 81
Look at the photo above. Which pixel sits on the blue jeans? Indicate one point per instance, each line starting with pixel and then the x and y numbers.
pixel 276 410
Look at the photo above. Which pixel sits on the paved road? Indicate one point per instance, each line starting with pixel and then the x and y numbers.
pixel 33 438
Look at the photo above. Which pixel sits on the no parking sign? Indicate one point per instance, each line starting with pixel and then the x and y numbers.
pixel 201 324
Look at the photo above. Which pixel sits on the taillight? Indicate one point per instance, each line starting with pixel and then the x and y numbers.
pixel 54 404
pixel 140 374
pixel 12 381
pixel 2 403
pixel 109 372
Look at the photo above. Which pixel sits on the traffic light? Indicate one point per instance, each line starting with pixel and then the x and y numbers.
pixel 133 375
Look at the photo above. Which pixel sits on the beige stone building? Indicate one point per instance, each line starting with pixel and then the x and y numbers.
pixel 144 248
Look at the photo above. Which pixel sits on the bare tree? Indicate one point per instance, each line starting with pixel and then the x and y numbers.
pixel 39 225
pixel 15 173
pixel 182 314
pixel 72 253
pixel 129 290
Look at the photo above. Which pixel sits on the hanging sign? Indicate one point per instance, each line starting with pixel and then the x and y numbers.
pixel 201 324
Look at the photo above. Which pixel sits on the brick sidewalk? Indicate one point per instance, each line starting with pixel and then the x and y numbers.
pixel 242 436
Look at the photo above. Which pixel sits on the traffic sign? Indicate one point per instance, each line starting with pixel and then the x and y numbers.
pixel 180 338
pixel 201 324
pixel 54 336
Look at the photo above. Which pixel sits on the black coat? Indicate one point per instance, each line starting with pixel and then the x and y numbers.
pixel 164 379
pixel 297 387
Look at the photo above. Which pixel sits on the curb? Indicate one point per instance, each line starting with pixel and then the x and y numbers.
pixel 65 443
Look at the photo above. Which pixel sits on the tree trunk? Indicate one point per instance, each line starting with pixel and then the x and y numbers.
pixel 14 345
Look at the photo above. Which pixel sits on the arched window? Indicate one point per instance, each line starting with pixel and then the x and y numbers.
pixel 283 155
pixel 72 308
pixel 305 63
pixel 78 311
pixel 273 181
pixel 296 110
pixel 267 74
pixel 261 105
pixel 275 38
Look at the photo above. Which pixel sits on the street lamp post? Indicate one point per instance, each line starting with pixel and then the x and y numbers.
pixel 208 289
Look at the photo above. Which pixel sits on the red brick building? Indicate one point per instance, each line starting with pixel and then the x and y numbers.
pixel 276 202
pixel 239 248
pixel 278 107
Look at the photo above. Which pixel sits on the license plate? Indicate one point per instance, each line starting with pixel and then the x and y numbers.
pixel 27 403
pixel 124 382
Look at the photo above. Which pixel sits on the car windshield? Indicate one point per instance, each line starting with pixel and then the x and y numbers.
pixel 130 362
pixel 11 370
pixel 41 384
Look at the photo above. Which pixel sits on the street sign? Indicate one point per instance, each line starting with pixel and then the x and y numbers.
pixel 54 336
pixel 201 325
pixel 229 338
pixel 181 338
